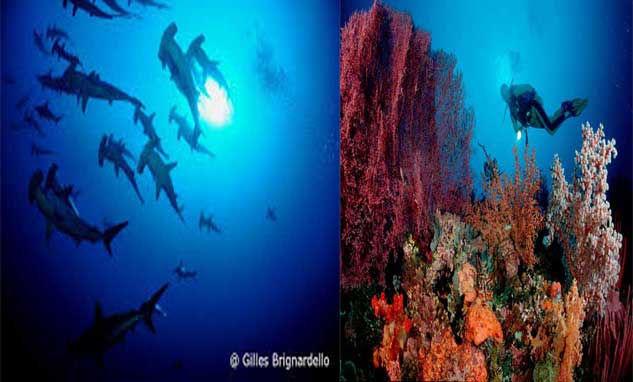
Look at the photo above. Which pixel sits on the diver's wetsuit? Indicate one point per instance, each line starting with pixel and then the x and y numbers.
pixel 526 108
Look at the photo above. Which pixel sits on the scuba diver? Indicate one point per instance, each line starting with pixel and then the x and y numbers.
pixel 526 109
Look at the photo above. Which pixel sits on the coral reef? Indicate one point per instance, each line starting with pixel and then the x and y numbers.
pixel 509 217
pixel 400 159
pixel 579 217
pixel 610 355
pixel 476 294
pixel 395 331
pixel 481 324
pixel 447 361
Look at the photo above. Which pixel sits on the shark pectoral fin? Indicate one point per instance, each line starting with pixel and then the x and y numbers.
pixel 171 166
pixel 49 230
pixel 157 190
pixel 84 103
pixel 116 171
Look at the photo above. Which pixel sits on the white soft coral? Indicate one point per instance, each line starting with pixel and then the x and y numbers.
pixel 580 218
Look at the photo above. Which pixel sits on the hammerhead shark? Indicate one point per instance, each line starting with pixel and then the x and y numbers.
pixel 150 3
pixel 160 172
pixel 60 51
pixel 30 120
pixel 38 40
pixel 54 203
pixel 187 132
pixel 148 128
pixel 183 273
pixel 22 102
pixel 115 152
pixel 112 4
pixel 171 55
pixel 107 331
pixel 209 67
pixel 55 33
pixel 89 7
pixel 44 112
pixel 38 151
pixel 85 86
pixel 208 223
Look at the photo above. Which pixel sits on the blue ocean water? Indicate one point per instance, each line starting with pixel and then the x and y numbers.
pixel 262 286
pixel 564 49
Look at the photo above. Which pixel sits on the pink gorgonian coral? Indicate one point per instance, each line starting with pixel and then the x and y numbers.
pixel 405 140
pixel 579 216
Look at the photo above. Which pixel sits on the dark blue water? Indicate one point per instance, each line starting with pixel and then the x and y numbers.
pixel 564 49
pixel 262 286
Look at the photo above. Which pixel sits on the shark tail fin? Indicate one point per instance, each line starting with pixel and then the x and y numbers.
pixel 110 233
pixel 148 308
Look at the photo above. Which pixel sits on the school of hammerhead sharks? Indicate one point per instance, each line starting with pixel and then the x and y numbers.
pixel 55 201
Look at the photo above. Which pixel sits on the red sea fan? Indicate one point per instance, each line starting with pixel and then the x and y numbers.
pixel 611 348
pixel 392 170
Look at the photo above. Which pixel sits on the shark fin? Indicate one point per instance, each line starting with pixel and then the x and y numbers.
pixel 157 190
pixel 84 104
pixel 116 170
pixel 75 10
pixel 151 118
pixel 98 312
pixel 110 233
pixel 147 309
pixel 171 166
pixel 150 324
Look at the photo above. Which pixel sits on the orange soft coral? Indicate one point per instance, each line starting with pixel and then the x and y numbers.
pixel 481 323
pixel 509 218
pixel 395 331
pixel 466 278
pixel 574 316
pixel 448 361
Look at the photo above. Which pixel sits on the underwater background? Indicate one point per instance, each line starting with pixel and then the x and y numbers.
pixel 564 49
pixel 262 286
pixel 443 283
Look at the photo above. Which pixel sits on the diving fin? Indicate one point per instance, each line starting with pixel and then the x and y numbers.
pixel 578 105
